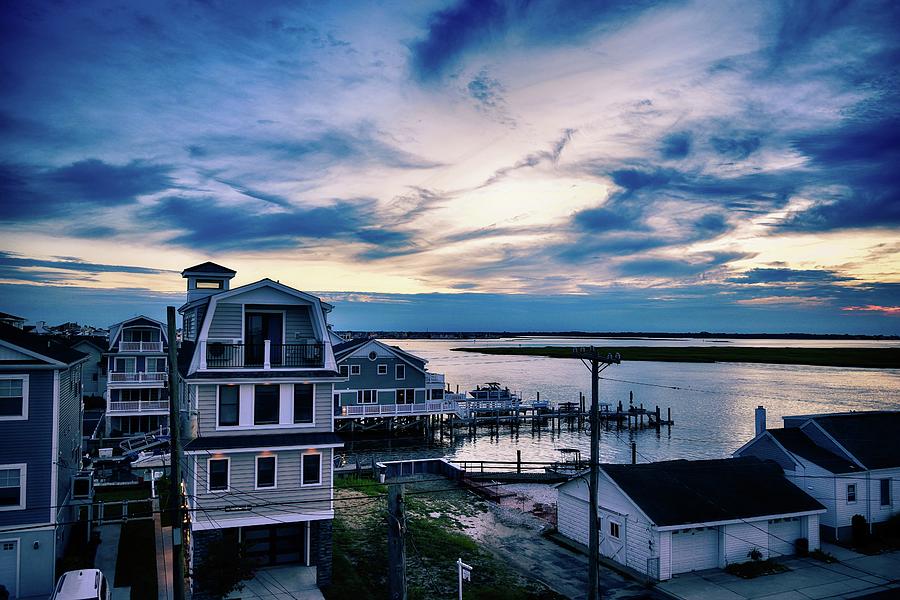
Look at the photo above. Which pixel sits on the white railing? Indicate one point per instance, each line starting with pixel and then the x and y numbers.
pixel 137 377
pixel 434 379
pixel 133 406
pixel 431 406
pixel 140 346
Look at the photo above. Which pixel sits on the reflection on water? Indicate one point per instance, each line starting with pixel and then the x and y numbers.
pixel 712 404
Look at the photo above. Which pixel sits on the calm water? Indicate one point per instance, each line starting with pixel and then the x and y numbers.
pixel 712 404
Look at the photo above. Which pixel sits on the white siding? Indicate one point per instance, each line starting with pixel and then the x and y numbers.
pixel 665 555
pixel 818 483
pixel 695 549
pixel 741 538
pixel 783 536
pixel 572 517
pixel 811 530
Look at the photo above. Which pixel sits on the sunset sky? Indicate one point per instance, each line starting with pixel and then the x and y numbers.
pixel 522 165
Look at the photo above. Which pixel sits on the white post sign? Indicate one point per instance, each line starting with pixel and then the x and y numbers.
pixel 464 572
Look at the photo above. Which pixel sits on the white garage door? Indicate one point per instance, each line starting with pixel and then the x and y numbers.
pixel 782 534
pixel 9 564
pixel 695 549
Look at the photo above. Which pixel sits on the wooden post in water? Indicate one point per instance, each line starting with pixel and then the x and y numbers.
pixel 518 461
pixel 669 416
pixel 634 453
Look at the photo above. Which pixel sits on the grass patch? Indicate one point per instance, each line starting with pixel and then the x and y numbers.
pixel 434 540
pixel 136 562
pixel 825 557
pixel 139 503
pixel 875 358
pixel 755 568
pixel 362 485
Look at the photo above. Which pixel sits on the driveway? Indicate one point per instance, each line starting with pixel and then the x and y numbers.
pixel 855 576
pixel 287 582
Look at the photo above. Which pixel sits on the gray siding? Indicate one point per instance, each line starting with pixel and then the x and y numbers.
pixel 369 379
pixel 29 442
pixel 206 409
pixel 298 325
pixel 765 448
pixel 242 483
pixel 69 442
pixel 226 322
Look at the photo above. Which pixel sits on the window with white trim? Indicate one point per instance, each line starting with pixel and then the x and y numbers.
pixel 851 492
pixel 229 405
pixel 400 371
pixel 265 471
pixel 12 487
pixel 367 396
pixel 355 369
pixel 217 474
pixel 13 397
pixel 382 369
pixel 310 469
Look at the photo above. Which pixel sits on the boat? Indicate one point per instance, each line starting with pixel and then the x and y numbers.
pixel 570 463
pixel 492 391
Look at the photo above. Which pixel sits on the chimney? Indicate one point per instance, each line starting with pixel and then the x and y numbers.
pixel 760 420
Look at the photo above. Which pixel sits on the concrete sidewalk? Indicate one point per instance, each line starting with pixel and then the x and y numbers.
pixel 857 575
pixel 105 560
pixel 165 590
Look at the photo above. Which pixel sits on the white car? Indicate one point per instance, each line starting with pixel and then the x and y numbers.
pixel 85 584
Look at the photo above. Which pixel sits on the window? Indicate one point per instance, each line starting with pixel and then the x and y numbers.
pixel 304 398
pixel 400 371
pixel 13 397
pixel 156 365
pixel 208 284
pixel 265 471
pixel 12 487
pixel 265 404
pixel 355 369
pixel 311 469
pixel 885 492
pixel 366 397
pixel 437 394
pixel 406 396
pixel 614 529
pixel 344 370
pixel 851 492
pixel 125 365
pixel 382 369
pixel 373 355
pixel 218 474
pixel 229 403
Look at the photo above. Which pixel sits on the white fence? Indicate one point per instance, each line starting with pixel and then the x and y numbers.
pixel 137 377
pixel 389 410
pixel 140 346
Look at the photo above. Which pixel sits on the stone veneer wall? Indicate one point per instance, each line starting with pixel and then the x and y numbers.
pixel 321 543
pixel 200 542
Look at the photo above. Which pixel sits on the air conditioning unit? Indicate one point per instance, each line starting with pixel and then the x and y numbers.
pixel 83 486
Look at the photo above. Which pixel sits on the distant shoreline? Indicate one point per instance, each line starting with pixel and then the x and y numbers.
pixel 463 335
pixel 869 358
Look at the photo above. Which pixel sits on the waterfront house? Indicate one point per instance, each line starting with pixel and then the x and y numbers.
pixel 12 320
pixel 93 371
pixel 40 451
pixel 259 371
pixel 137 395
pixel 850 462
pixel 382 376
pixel 664 518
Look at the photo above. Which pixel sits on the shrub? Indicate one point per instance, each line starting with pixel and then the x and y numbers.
pixel 224 569
pixel 755 555
pixel 825 557
pixel 801 546
pixel 860 530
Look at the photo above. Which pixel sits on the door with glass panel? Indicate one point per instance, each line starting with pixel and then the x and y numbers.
pixel 259 327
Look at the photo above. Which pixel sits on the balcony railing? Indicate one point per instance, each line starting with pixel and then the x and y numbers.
pixel 137 406
pixel 265 356
pixel 140 346
pixel 137 377
pixel 434 379
pixel 429 407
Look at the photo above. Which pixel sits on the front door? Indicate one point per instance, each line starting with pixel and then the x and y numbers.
pixel 258 328
pixel 275 545
pixel 612 536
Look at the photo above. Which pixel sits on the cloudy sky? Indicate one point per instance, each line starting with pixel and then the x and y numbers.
pixel 520 165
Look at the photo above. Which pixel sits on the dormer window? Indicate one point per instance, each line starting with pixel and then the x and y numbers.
pixel 209 284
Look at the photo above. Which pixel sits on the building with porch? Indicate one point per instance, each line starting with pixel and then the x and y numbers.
pixel 40 452
pixel 661 519
pixel 137 394
pixel 259 371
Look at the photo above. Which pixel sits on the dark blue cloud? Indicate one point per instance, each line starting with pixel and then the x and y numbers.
pixel 15 260
pixel 676 145
pixel 605 219
pixel 784 275
pixel 736 145
pixel 487 91
pixel 30 193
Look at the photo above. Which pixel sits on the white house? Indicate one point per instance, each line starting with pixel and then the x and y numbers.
pixel 850 462
pixel 661 519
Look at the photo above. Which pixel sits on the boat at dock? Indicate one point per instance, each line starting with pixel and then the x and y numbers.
pixel 570 463
pixel 492 391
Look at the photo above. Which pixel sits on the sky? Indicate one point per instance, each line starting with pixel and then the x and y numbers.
pixel 495 165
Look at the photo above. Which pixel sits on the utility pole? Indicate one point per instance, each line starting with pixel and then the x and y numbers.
pixel 396 543
pixel 175 460
pixel 598 364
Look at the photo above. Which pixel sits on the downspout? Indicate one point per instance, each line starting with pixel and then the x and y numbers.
pixel 869 500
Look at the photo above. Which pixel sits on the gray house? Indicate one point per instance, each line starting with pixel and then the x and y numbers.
pixel 381 374
pixel 259 370
pixel 93 371
pixel 40 451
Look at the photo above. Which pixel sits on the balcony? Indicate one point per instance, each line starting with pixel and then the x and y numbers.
pixel 215 355
pixel 137 377
pixel 434 380
pixel 139 406
pixel 140 346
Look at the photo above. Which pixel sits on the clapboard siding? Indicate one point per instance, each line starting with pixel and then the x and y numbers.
pixel 298 325
pixel 207 415
pixel 226 322
pixel 572 517
pixel 741 538
pixel 69 433
pixel 309 500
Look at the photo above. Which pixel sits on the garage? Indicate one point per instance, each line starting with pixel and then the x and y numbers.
pixel 276 545
pixel 695 549
pixel 9 566
pixel 783 533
